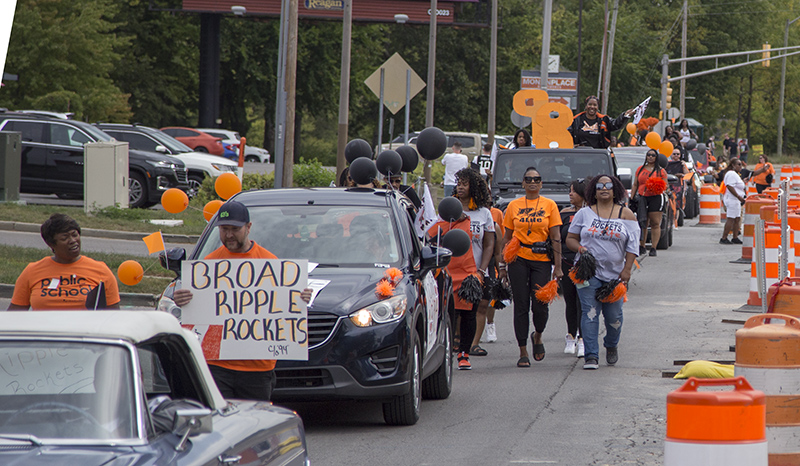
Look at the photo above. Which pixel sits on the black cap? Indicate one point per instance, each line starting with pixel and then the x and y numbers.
pixel 233 213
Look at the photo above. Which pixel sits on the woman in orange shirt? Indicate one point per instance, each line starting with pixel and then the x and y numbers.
pixel 531 220
pixel 760 173
pixel 654 200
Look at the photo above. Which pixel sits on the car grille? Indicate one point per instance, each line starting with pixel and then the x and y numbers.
pixel 385 360
pixel 302 378
pixel 182 175
pixel 320 327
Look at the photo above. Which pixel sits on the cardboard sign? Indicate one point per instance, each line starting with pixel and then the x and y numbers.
pixel 46 370
pixel 247 308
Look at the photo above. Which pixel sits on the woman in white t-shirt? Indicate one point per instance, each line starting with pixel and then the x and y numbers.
pixel 733 199
pixel 471 190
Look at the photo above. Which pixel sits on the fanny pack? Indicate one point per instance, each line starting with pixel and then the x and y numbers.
pixel 540 247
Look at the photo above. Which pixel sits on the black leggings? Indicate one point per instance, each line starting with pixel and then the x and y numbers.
pixel 573 309
pixel 524 275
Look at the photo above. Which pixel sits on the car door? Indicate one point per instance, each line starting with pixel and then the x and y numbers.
pixel 33 161
pixel 65 158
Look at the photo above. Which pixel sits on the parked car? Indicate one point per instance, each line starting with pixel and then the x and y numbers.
pixel 558 167
pixel 197 140
pixel 126 387
pixel 394 350
pixel 52 160
pixel 251 154
pixel 144 138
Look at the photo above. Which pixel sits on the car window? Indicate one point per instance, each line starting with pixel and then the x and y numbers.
pixel 67 390
pixel 32 131
pixel 466 141
pixel 345 236
pixel 554 167
pixel 217 135
pixel 171 131
pixel 67 135
pixel 182 133
pixel 135 141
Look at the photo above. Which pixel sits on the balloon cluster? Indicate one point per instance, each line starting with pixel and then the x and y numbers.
pixel 226 185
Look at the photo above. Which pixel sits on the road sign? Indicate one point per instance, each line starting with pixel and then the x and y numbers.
pixel 562 87
pixel 394 83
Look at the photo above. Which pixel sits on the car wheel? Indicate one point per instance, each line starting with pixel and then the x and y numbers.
pixel 195 183
pixel 439 385
pixel 691 203
pixel 252 158
pixel 680 217
pixel 666 228
pixel 404 409
pixel 137 191
pixel 201 149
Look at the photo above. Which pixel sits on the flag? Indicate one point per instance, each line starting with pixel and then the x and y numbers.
pixel 493 156
pixel 154 242
pixel 426 215
pixel 638 112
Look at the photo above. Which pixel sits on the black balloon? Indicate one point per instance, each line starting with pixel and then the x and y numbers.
pixel 389 162
pixel 357 148
pixel 450 209
pixel 363 170
pixel 662 160
pixel 457 241
pixel 410 158
pixel 691 144
pixel 701 148
pixel 431 143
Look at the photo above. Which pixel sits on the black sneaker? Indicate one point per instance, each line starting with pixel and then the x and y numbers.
pixel 642 250
pixel 653 252
pixel 736 240
pixel 725 241
pixel 590 364
pixel 611 356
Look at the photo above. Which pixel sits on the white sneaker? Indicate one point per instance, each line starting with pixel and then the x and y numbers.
pixel 580 347
pixel 491 333
pixel 569 347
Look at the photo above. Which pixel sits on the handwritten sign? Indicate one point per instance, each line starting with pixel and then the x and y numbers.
pixel 46 370
pixel 247 308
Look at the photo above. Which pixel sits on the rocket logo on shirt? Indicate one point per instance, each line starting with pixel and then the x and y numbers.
pixel 587 128
pixel 527 215
pixel 606 229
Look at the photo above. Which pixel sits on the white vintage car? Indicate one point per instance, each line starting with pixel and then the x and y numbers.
pixel 126 388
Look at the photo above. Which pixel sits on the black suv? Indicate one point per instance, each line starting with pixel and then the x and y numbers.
pixel 52 160
pixel 558 167
pixel 396 349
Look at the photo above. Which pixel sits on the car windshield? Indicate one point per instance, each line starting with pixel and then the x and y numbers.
pixel 553 166
pixel 96 133
pixel 336 236
pixel 76 391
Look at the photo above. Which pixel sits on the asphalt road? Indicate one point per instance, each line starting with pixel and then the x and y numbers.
pixel 555 412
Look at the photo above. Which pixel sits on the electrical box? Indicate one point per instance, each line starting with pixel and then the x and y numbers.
pixel 105 175
pixel 10 165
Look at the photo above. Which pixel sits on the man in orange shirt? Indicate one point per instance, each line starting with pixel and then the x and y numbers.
pixel 251 379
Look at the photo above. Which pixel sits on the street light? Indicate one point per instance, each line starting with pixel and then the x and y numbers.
pixel 783 86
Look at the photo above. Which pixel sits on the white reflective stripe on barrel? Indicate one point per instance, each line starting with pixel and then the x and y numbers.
pixel 707 454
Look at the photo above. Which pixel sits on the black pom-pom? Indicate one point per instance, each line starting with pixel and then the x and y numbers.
pixel 606 291
pixel 585 267
pixel 471 289
pixel 497 304
pixel 500 291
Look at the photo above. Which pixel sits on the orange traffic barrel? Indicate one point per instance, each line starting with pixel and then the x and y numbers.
pixel 752 211
pixel 716 428
pixel 786 174
pixel 768 355
pixel 793 201
pixel 751 189
pixel 795 176
pixel 769 213
pixel 709 205
pixel 772 192
pixel 784 297
pixel 772 244
pixel 794 224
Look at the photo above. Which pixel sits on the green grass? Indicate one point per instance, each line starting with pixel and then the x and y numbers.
pixel 15 259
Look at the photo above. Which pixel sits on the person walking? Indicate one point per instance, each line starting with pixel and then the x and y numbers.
pixel 733 199
pixel 609 231
pixel 652 194
pixel 573 341
pixel 531 222
pixel 453 162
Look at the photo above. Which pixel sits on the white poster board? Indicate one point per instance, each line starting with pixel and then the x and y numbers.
pixel 7 8
pixel 247 308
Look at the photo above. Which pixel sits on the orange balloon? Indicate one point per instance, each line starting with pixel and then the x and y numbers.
pixel 211 208
pixel 227 185
pixel 653 140
pixel 174 201
pixel 630 128
pixel 666 148
pixel 130 272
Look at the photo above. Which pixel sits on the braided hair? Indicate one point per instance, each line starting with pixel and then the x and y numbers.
pixel 477 187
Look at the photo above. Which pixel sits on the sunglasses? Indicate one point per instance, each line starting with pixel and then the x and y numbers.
pixel 606 185
pixel 532 179
pixel 396 181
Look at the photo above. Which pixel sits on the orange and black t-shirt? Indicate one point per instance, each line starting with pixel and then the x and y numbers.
pixel 531 221
pixel 246 365
pixel 47 285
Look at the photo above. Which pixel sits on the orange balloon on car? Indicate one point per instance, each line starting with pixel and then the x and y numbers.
pixel 227 184
pixel 130 272
pixel 211 208
pixel 666 148
pixel 174 201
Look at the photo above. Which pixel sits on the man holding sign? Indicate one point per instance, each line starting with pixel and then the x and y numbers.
pixel 245 379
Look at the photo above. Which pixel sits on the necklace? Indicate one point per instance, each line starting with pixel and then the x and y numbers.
pixel 606 225
pixel 535 209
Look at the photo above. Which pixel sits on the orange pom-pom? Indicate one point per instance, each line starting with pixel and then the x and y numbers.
pixel 393 275
pixel 620 292
pixel 656 185
pixel 511 250
pixel 547 293
pixel 384 289
pixel 572 276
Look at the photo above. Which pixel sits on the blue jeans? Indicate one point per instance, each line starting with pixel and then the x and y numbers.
pixel 448 190
pixel 590 319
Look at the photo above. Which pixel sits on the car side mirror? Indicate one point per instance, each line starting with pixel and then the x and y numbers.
pixel 191 423
pixel 433 257
pixel 171 259
pixel 162 149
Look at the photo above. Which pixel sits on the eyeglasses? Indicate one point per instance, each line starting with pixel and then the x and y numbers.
pixel 650 154
pixel 532 179
pixel 606 185
pixel 676 153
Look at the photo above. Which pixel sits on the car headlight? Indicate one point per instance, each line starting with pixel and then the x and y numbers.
pixel 162 164
pixel 224 167
pixel 166 304
pixel 388 310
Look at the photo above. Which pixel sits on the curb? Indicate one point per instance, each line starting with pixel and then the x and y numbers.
pixel 126 299
pixel 97 233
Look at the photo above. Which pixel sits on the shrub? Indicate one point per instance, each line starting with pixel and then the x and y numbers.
pixel 308 174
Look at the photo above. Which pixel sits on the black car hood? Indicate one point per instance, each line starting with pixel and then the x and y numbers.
pixel 349 288
pixel 69 456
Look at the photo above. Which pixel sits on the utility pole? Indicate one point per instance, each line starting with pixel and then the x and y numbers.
pixel 609 58
pixel 344 87
pixel 603 55
pixel 493 76
pixel 291 91
pixel 545 61
pixel 426 169
pixel 683 55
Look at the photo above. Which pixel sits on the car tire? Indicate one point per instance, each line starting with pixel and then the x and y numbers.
pixel 670 237
pixel 252 158
pixel 691 204
pixel 439 385
pixel 681 217
pixel 137 191
pixel 201 149
pixel 195 183
pixel 666 231
pixel 403 410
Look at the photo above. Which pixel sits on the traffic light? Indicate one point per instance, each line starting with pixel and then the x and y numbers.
pixel 669 94
pixel 766 54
